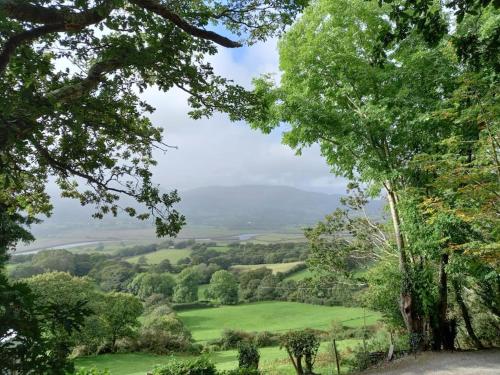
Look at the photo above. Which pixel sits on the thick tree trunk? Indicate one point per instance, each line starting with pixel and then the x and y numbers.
pixel 443 330
pixel 466 316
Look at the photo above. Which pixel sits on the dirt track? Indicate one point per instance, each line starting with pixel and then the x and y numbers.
pixel 485 362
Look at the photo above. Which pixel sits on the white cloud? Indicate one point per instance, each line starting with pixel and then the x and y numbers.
pixel 217 152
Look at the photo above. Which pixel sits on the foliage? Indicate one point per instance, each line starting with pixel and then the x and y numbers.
pixel 112 275
pixel 120 316
pixel 186 289
pixel 145 284
pixel 198 366
pixel 301 345
pixel 161 334
pixel 248 356
pixel 92 371
pixel 223 288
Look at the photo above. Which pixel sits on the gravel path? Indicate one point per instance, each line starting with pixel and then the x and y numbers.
pixel 484 362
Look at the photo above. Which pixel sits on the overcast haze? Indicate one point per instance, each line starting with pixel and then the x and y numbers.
pixel 217 152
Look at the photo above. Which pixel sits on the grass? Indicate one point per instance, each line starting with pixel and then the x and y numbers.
pixel 300 275
pixel 208 324
pixel 273 360
pixel 173 255
pixel 275 267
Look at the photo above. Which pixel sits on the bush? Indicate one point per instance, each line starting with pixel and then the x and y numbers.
pixel 266 338
pixel 241 371
pixel 232 338
pixel 92 371
pixel 248 356
pixel 198 366
pixel 165 334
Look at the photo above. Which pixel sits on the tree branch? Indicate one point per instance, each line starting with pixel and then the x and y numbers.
pixel 157 8
pixel 23 37
pixel 24 11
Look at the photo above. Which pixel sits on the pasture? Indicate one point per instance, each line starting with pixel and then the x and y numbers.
pixel 273 360
pixel 208 323
pixel 299 275
pixel 275 267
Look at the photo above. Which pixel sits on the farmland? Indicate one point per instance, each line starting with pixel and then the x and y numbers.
pixel 275 267
pixel 208 324
pixel 273 360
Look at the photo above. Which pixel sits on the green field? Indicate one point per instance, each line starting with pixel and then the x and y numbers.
pixel 273 360
pixel 173 255
pixel 275 267
pixel 207 324
pixel 300 275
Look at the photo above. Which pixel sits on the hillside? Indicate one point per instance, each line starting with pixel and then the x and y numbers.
pixel 237 207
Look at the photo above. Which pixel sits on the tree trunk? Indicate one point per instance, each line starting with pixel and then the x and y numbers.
pixel 300 370
pixel 466 316
pixel 412 320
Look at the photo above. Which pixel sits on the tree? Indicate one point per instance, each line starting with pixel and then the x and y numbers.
pixel 369 120
pixel 248 356
pixel 64 302
pixel 186 289
pixel 88 123
pixel 223 288
pixel 120 316
pixel 113 275
pixel 146 284
pixel 301 345
pixel 432 20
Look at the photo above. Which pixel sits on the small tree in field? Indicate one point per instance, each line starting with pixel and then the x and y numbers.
pixel 301 345
pixel 248 356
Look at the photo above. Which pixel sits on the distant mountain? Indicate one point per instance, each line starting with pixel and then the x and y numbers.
pixel 236 207
pixel 259 207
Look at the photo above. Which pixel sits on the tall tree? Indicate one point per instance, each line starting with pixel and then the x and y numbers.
pixel 369 119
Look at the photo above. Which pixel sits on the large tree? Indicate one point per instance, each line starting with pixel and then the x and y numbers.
pixel 71 73
pixel 369 119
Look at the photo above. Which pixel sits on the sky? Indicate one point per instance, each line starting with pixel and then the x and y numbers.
pixel 216 152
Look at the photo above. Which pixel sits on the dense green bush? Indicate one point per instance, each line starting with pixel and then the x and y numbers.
pixel 266 338
pixel 241 371
pixel 231 338
pixel 164 335
pixel 197 366
pixel 92 371
pixel 248 356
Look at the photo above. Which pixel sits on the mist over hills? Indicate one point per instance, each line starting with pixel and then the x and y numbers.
pixel 234 207
pixel 259 207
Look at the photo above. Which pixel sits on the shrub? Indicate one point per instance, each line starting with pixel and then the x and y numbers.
pixel 248 356
pixel 232 338
pixel 163 335
pixel 92 371
pixel 241 371
pixel 198 366
pixel 266 338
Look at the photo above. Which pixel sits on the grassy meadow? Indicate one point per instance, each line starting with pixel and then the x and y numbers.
pixel 208 323
pixel 275 267
pixel 273 360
